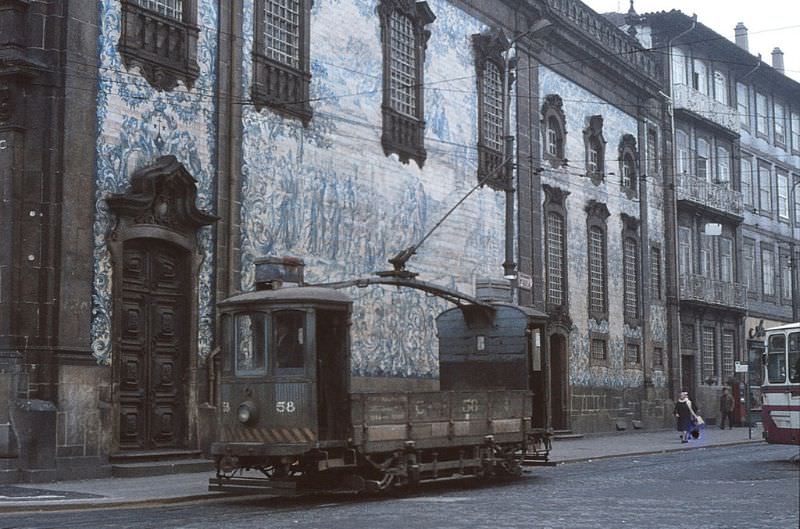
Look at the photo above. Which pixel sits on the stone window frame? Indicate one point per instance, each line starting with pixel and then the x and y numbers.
pixel 593 138
pixel 556 203
pixel 596 216
pixel 553 114
pixel 599 337
pixel 169 55
pixel 402 134
pixel 488 48
pixel 628 163
pixel 728 356
pixel 632 342
pixel 282 87
pixel 630 232
pixel 709 358
pixel 750 269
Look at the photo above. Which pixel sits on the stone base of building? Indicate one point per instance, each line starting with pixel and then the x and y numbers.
pixel 600 410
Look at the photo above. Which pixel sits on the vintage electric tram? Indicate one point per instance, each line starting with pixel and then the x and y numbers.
pixel 289 422
pixel 780 391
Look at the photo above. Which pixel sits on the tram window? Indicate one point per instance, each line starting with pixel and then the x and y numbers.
pixel 794 357
pixel 776 359
pixel 251 344
pixel 289 339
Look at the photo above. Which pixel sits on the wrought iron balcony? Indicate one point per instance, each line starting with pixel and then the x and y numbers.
pixel 709 195
pixel 700 289
pixel 687 98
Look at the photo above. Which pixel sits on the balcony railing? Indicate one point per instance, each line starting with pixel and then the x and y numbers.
pixel 705 106
pixel 710 195
pixel 702 289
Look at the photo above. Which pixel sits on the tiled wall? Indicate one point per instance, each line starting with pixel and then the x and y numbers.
pixel 328 194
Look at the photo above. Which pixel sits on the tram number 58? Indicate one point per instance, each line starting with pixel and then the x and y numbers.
pixel 285 406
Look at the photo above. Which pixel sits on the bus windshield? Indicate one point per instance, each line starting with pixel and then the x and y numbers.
pixel 776 359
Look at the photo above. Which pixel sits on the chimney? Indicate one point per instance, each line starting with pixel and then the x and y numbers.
pixel 777 59
pixel 741 36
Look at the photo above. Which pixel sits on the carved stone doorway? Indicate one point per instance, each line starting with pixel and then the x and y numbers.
pixel 153 346
pixel 156 262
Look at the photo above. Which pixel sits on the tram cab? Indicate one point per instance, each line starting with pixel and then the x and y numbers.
pixel 278 341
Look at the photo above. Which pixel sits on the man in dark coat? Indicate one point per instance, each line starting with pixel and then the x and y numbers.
pixel 725 409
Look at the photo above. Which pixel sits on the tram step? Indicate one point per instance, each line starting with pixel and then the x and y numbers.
pixel 160 468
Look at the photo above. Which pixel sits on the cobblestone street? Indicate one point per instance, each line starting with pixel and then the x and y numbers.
pixel 726 487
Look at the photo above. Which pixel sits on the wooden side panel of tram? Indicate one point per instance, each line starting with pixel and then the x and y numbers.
pixel 385 421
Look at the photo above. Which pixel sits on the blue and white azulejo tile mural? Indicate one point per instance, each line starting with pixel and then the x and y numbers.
pixel 136 124
pixel 328 194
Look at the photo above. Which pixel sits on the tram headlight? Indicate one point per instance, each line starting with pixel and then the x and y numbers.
pixel 247 412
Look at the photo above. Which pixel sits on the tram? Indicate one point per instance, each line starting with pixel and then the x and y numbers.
pixel 781 385
pixel 290 422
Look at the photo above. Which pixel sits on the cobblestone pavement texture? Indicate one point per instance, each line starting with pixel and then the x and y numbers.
pixel 752 486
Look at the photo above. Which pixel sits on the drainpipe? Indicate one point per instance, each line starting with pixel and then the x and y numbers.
pixel 673 301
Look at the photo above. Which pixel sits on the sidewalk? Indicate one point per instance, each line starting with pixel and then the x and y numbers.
pixel 175 488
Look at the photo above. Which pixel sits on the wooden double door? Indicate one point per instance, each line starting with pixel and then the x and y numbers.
pixel 152 334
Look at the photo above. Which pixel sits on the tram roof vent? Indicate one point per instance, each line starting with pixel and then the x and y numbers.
pixel 273 272
pixel 493 290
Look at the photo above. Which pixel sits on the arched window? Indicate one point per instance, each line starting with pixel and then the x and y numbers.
pixel 597 213
pixel 628 165
pixel 595 149
pixel 489 68
pixel 554 130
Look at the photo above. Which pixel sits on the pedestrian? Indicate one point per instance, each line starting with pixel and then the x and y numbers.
pixel 726 409
pixel 685 412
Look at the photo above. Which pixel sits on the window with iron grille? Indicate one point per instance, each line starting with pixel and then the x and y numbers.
pixel 160 38
pixel 488 48
pixel 709 353
pixel 404 39
pixel 655 273
pixel 493 106
pixel 403 65
pixel 597 275
pixel 728 345
pixel 167 8
pixel 688 338
pixel 282 31
pixel 555 259
pixel 632 353
pixel 630 272
pixel 599 350
pixel 282 66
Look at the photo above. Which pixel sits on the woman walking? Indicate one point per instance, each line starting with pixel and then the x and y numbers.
pixel 685 411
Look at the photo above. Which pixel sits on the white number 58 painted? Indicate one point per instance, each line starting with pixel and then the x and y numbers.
pixel 285 406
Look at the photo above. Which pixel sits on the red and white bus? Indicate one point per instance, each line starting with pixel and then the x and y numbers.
pixel 780 390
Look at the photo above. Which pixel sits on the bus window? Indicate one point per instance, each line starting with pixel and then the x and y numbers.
pixel 794 357
pixel 289 339
pixel 251 344
pixel 776 359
